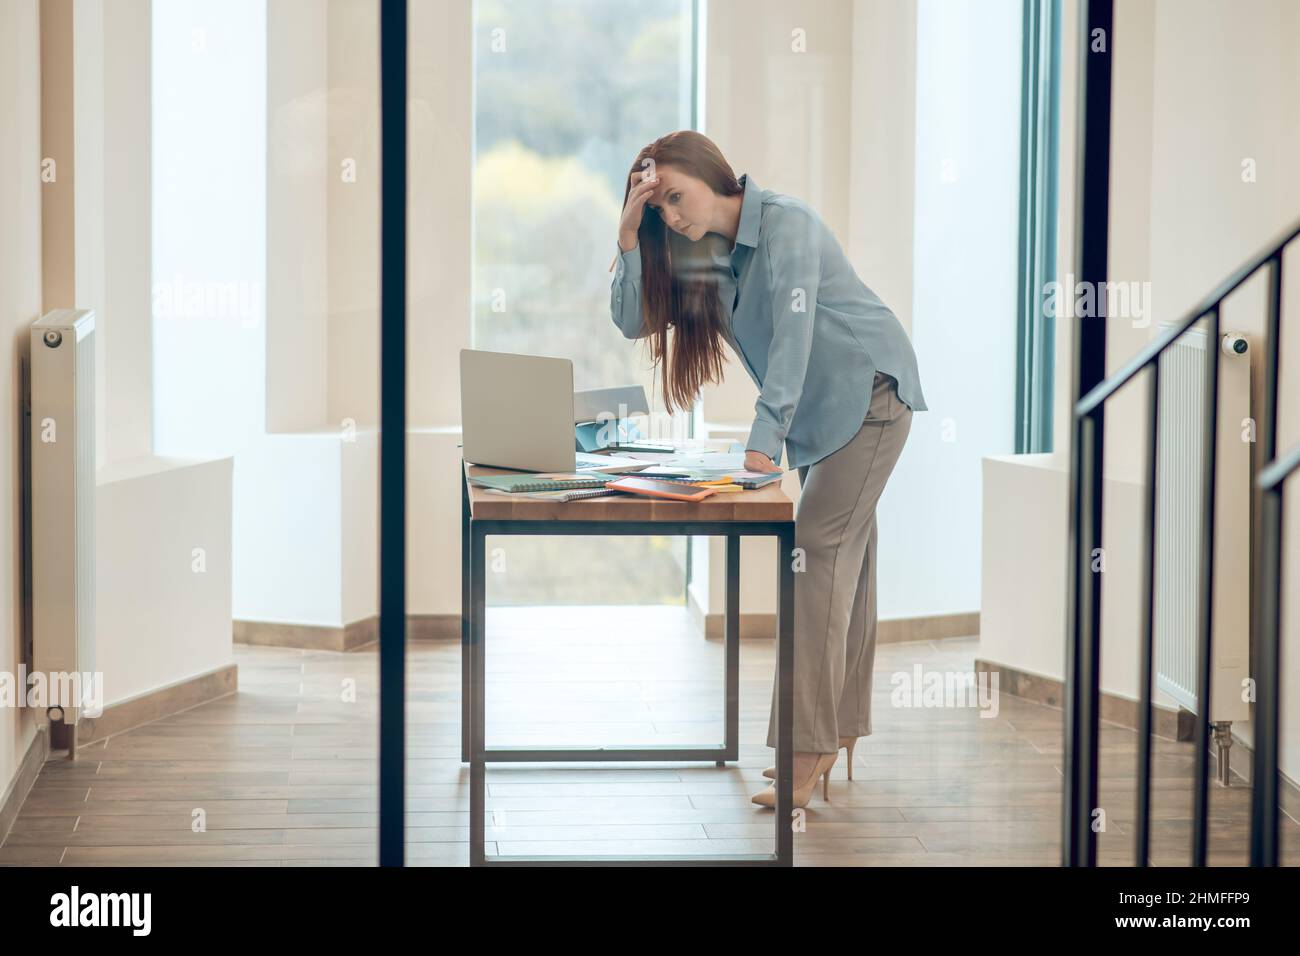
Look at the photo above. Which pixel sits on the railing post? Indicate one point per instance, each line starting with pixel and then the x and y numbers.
pixel 392 434
pixel 1142 844
pixel 1083 642
pixel 1205 622
pixel 1083 657
pixel 1265 655
pixel 1264 789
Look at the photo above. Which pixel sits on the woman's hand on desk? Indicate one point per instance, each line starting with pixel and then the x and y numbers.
pixel 757 461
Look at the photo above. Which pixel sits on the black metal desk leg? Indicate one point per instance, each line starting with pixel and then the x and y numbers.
pixel 465 558
pixel 785 697
pixel 478 709
pixel 731 624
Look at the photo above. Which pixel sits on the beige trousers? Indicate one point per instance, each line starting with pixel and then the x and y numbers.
pixel 835 586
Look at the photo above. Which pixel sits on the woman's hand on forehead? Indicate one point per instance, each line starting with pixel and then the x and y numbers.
pixel 644 174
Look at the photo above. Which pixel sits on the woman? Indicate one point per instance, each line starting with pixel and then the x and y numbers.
pixel 715 258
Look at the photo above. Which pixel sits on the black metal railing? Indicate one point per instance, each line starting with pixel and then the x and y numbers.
pixel 1084 638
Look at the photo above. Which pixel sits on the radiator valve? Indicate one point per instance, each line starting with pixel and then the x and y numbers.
pixel 1235 343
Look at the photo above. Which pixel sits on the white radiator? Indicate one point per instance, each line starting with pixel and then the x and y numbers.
pixel 1179 497
pixel 63 515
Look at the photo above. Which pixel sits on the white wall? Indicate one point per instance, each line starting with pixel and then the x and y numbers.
pixel 353 212
pixel 163 525
pixel 162 599
pixel 95 76
pixel 1199 86
pixel 1226 88
pixel 882 159
pixel 297 176
pixel 122 315
pixel 20 305
pixel 439 262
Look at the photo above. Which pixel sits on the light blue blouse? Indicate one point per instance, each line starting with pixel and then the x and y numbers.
pixel 810 334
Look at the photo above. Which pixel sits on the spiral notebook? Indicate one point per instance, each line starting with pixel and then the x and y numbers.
pixel 561 495
pixel 517 484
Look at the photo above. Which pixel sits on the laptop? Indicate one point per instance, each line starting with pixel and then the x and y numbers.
pixel 516 411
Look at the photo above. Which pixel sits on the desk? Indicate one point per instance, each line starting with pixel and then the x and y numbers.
pixel 763 511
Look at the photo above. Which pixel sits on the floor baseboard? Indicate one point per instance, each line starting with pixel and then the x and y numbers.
pixel 1168 722
pixel 1172 723
pixel 309 637
pixel 898 630
pixel 350 637
pixel 24 779
pixel 152 705
pixel 446 627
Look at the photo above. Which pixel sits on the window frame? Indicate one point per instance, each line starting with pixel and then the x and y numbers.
pixel 1039 163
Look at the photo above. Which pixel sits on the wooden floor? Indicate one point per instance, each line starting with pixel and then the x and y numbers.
pixel 283 773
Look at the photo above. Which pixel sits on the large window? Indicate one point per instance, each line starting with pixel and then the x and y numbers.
pixel 1039 121
pixel 566 92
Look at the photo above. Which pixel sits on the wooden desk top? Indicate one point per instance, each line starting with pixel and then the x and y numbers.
pixel 769 503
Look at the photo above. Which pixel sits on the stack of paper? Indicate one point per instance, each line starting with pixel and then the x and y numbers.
pixel 735 476
pixel 608 464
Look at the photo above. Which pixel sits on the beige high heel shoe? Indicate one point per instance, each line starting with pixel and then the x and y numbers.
pixel 845 743
pixel 803 793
